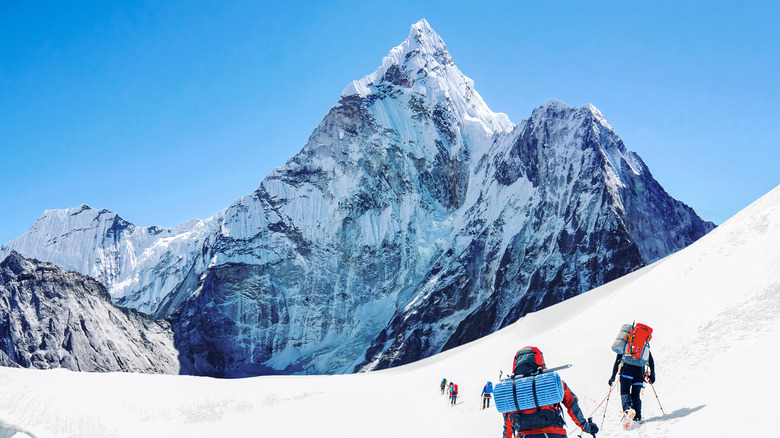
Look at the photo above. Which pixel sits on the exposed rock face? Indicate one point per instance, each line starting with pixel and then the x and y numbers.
pixel 413 220
pixel 51 318
pixel 572 216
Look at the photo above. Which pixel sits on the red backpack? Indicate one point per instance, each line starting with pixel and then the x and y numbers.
pixel 640 335
pixel 637 348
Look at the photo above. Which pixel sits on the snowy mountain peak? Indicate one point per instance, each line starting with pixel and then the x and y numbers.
pixel 420 73
pixel 559 112
pixel 421 54
pixel 425 41
pixel 423 29
pixel 82 214
pixel 555 104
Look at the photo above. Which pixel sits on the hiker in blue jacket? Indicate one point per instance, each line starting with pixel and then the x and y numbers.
pixel 487 392
pixel 443 385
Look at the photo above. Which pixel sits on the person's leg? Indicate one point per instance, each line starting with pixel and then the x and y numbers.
pixel 626 384
pixel 636 393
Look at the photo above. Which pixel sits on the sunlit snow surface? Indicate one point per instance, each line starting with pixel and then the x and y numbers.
pixel 715 308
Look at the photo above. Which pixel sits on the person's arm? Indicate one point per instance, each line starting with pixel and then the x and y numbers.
pixel 615 369
pixel 651 364
pixel 508 429
pixel 572 405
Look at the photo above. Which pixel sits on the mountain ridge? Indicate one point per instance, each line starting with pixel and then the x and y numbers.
pixel 414 219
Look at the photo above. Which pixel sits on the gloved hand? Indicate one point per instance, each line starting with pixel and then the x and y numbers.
pixel 590 427
pixel 611 381
pixel 651 378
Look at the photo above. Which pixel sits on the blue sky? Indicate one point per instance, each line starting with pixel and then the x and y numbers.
pixel 166 111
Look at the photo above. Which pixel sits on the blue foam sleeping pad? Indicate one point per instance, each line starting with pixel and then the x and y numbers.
pixel 549 391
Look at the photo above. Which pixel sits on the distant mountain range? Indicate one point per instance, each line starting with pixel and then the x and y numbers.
pixel 414 219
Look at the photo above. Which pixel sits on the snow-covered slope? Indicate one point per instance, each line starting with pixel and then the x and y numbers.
pixel 413 220
pixel 715 308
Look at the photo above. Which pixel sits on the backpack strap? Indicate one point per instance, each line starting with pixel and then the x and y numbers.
pixel 514 394
pixel 533 389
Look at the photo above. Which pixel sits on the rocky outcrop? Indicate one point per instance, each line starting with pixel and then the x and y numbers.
pixel 51 318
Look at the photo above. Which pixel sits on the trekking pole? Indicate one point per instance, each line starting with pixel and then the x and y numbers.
pixel 657 399
pixel 597 408
pixel 607 405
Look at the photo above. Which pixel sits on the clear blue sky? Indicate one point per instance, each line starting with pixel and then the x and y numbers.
pixel 166 111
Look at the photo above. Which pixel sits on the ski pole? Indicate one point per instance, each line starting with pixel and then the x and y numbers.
pixel 602 401
pixel 657 399
pixel 597 408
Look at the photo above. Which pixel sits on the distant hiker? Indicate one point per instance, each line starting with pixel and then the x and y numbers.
pixel 487 391
pixel 443 385
pixel 634 363
pixel 453 394
pixel 543 421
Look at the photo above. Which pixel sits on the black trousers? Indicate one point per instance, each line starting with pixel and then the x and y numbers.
pixel 630 392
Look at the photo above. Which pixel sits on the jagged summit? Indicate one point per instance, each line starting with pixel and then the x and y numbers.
pixel 569 122
pixel 424 43
pixel 558 105
pixel 423 52
pixel 420 73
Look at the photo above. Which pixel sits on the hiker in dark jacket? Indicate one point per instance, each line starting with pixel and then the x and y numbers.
pixel 546 421
pixel 632 380
pixel 453 394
